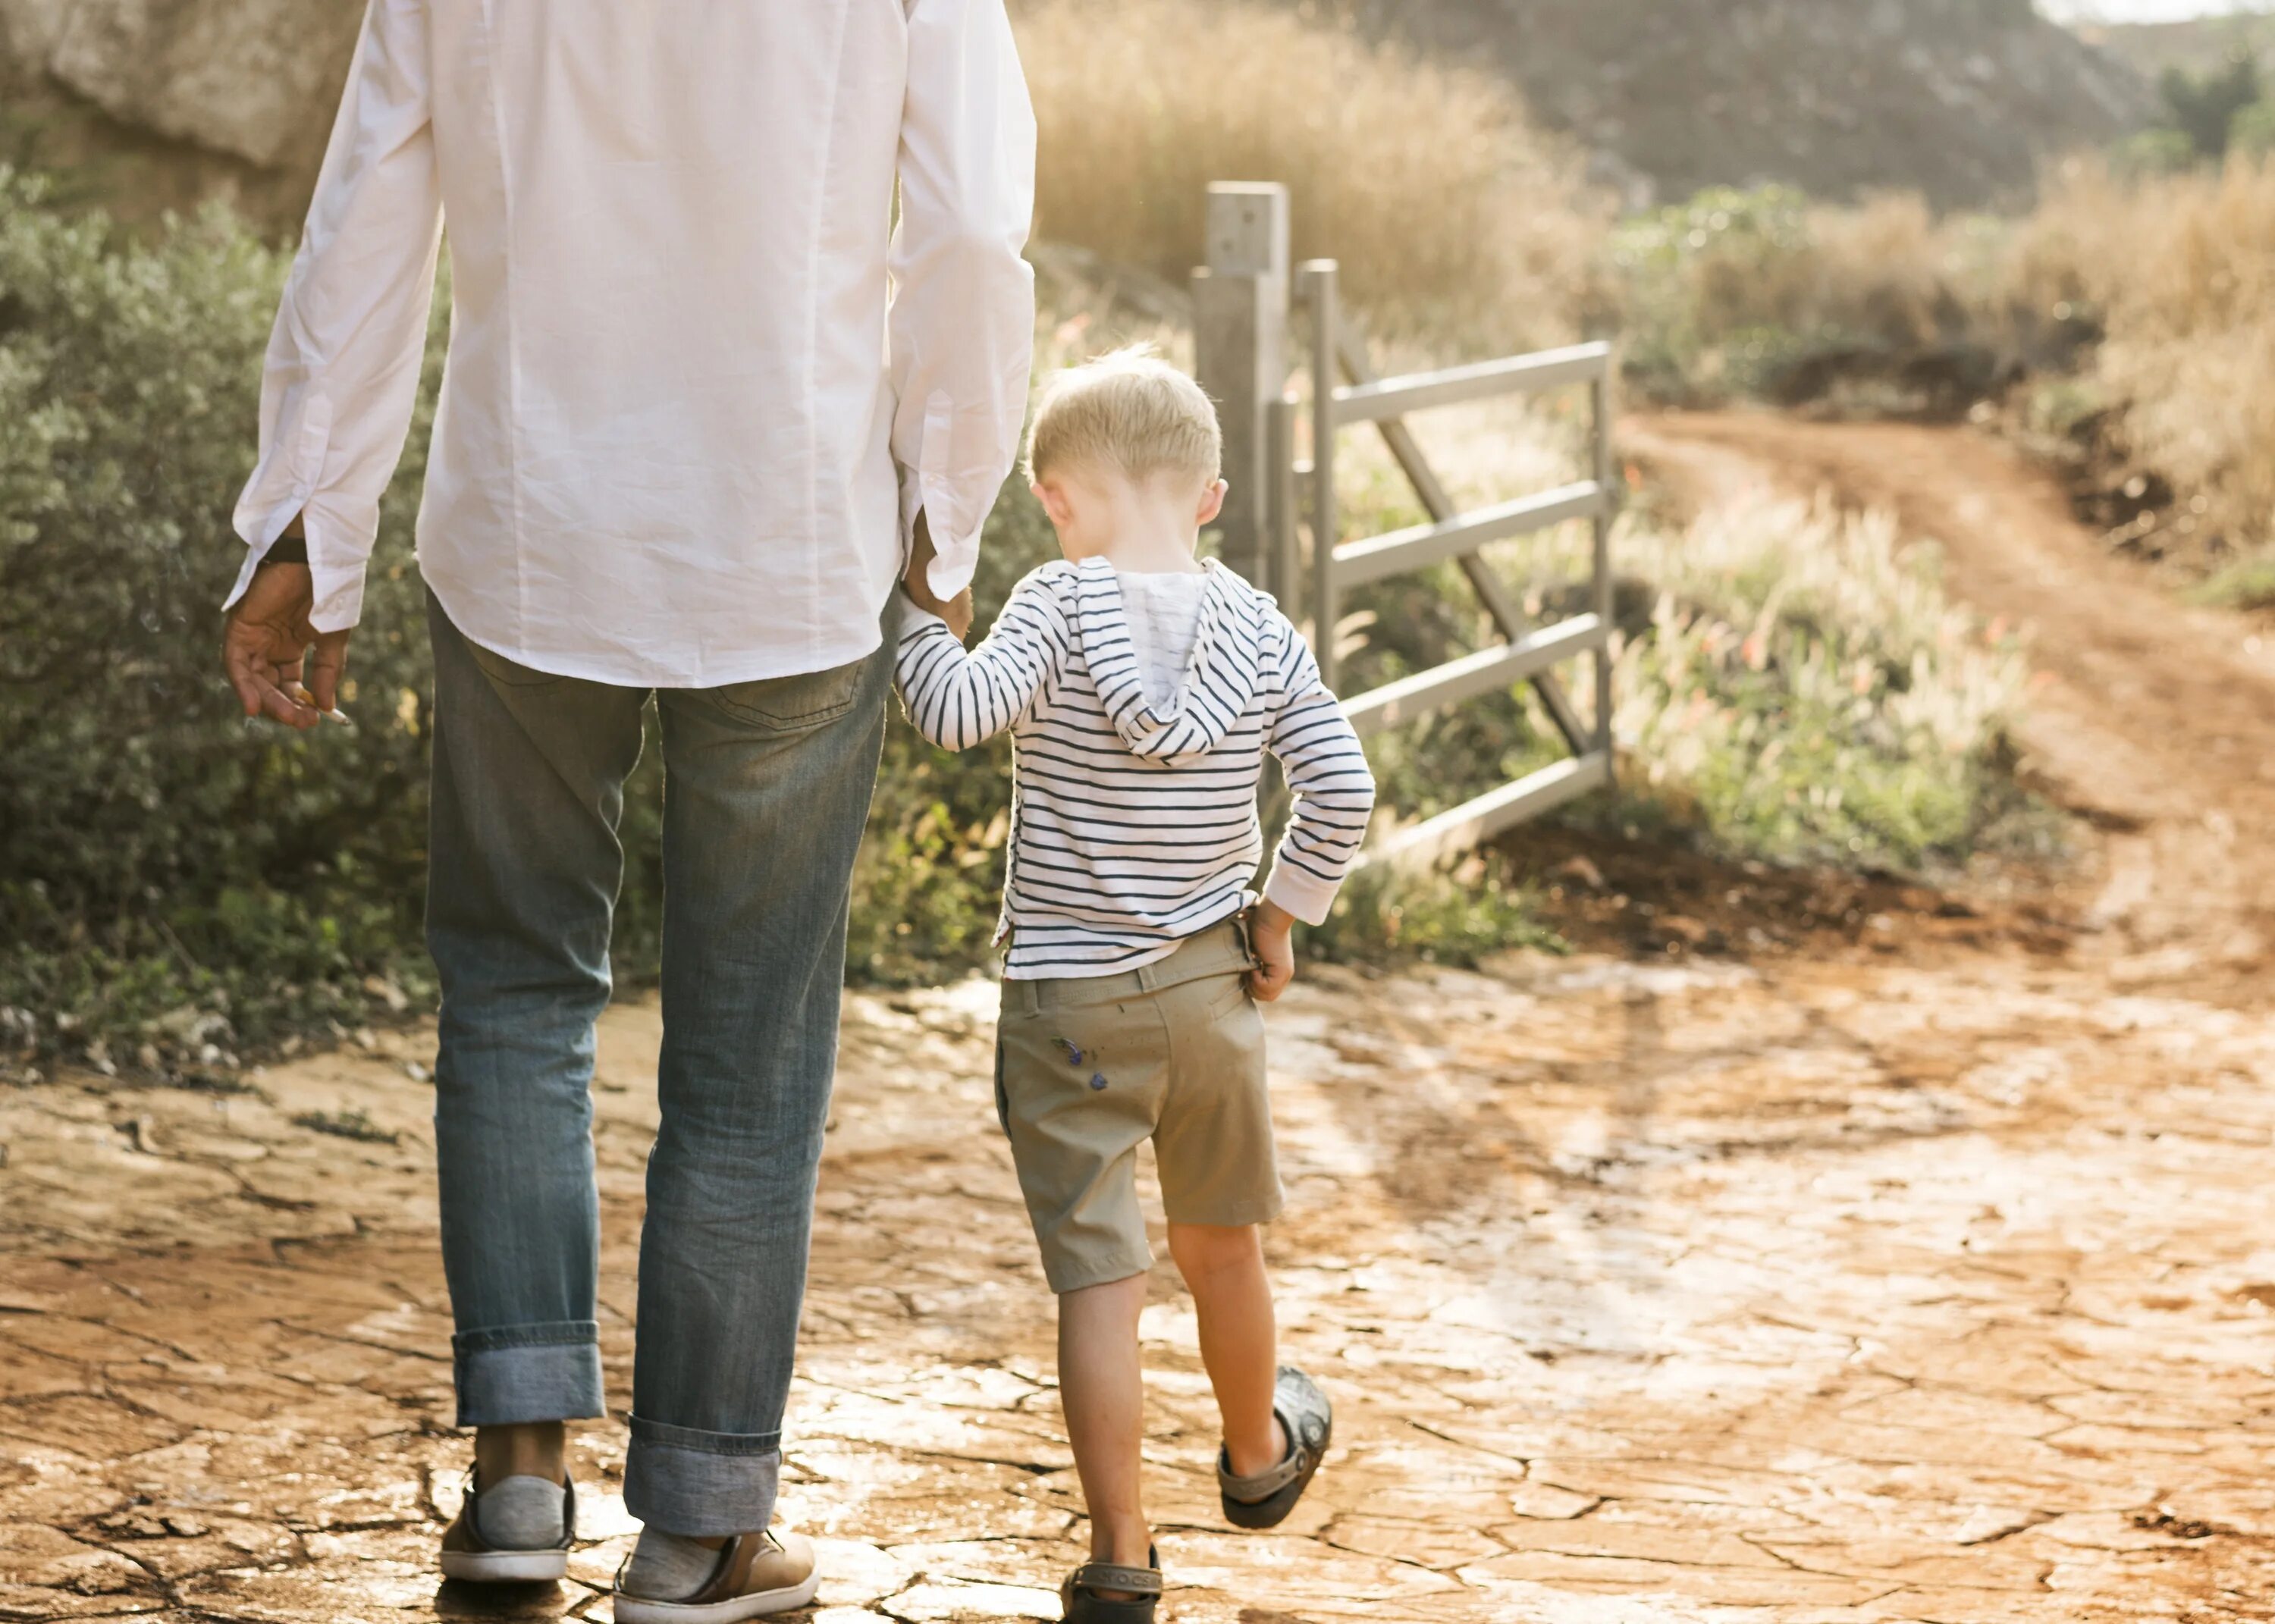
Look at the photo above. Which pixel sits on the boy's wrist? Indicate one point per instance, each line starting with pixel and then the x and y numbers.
pixel 1270 917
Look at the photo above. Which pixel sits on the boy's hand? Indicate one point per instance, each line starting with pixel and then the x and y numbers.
pixel 918 583
pixel 1271 932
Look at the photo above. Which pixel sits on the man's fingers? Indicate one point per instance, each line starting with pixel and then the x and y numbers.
pixel 252 671
pixel 326 667
pixel 958 614
pixel 278 704
pixel 242 680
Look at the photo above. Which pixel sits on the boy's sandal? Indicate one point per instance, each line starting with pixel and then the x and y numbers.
pixel 1080 1603
pixel 1265 1499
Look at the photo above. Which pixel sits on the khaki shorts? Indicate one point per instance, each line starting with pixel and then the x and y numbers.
pixel 1087 1068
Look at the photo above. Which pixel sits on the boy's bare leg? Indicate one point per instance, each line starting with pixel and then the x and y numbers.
pixel 533 1449
pixel 1232 1297
pixel 1102 1389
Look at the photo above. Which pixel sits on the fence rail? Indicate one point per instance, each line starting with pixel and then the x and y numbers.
pixel 1245 303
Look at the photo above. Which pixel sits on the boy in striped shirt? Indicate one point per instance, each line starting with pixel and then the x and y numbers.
pixel 1142 688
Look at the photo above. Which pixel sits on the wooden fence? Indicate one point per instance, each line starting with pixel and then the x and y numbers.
pixel 1246 306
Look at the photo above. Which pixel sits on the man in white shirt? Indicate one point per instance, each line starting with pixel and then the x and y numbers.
pixel 702 389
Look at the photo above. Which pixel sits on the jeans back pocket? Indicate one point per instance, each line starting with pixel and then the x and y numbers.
pixel 799 704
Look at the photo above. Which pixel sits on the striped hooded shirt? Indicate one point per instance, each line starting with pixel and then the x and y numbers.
pixel 1134 823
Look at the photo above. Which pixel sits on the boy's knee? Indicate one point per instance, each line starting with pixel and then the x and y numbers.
pixel 1208 1249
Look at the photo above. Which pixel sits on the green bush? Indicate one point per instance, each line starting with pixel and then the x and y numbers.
pixel 1792 682
pixel 2147 153
pixel 1730 293
pixel 2252 132
pixel 167 874
pixel 2203 107
pixel 177 887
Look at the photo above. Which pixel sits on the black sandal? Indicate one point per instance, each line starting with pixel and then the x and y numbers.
pixel 1079 1602
pixel 1308 1420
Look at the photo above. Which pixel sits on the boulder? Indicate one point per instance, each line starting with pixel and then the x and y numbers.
pixel 255 79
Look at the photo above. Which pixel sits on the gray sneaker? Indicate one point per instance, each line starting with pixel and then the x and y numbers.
pixel 467 1555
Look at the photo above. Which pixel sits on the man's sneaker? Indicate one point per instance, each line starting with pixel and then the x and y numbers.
pixel 1309 1421
pixel 758 1573
pixel 467 1555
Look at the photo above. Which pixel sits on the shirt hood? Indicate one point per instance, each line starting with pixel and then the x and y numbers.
pixel 1217 681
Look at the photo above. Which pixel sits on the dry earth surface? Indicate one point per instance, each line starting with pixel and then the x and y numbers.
pixel 1921 1274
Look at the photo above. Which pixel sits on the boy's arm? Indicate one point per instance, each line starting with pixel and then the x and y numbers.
pixel 957 699
pixel 1331 789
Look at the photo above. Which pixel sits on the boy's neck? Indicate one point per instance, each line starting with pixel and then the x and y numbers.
pixel 1144 530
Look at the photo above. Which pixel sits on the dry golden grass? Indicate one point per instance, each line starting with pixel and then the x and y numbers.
pixel 1451 214
pixel 2180 272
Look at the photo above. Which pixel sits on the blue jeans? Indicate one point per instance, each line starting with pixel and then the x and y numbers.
pixel 766 790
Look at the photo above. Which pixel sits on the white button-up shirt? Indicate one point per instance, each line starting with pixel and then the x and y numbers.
pixel 699 382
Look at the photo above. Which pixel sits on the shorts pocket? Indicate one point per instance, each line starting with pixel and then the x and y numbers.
pixel 783 704
pixel 1230 998
pixel 1002 1099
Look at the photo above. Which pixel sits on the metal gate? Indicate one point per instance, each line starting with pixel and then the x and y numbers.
pixel 1240 351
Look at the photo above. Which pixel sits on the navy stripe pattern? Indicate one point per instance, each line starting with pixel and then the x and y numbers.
pixel 1134 824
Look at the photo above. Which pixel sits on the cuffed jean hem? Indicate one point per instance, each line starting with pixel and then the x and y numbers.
pixel 521 1373
pixel 701 1485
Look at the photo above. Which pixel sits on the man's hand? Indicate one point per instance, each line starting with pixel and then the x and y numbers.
pixel 265 649
pixel 918 583
pixel 1271 932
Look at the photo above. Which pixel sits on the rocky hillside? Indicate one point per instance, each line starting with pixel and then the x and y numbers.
pixel 254 79
pixel 2201 45
pixel 1962 98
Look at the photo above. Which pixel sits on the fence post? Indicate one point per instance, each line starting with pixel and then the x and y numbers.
pixel 1240 353
pixel 1599 400
pixel 1287 579
pixel 1320 295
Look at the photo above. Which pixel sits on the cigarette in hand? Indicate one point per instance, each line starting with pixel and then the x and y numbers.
pixel 300 694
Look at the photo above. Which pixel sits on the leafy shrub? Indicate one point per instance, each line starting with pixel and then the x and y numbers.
pixel 2160 151
pixel 176 886
pixel 1728 293
pixel 161 865
pixel 2204 107
pixel 1806 694
pixel 1792 682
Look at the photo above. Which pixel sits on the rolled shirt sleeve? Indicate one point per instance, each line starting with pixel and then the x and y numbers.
pixel 342 374
pixel 962 325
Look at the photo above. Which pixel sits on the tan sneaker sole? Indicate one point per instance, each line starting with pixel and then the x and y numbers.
pixel 505 1566
pixel 633 1609
pixel 739 1566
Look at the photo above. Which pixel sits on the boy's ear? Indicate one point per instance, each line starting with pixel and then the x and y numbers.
pixel 1055 502
pixel 1213 502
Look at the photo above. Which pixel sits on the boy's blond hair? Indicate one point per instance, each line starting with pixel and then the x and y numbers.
pixel 1131 411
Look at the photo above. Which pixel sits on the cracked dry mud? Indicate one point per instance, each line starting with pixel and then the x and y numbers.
pixel 1906 1280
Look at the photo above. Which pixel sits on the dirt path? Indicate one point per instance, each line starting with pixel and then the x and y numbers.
pixel 1914 1285
pixel 2156 721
